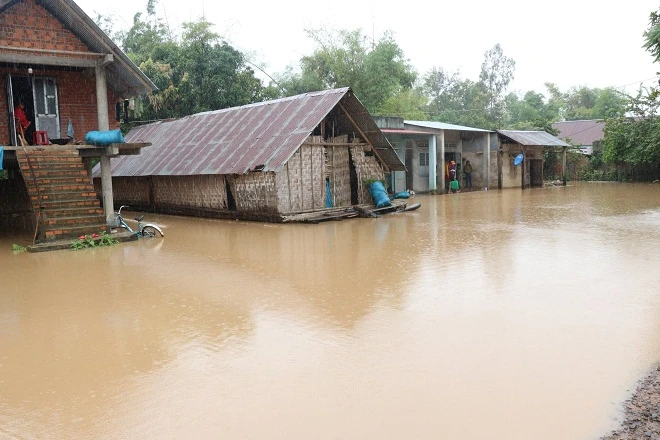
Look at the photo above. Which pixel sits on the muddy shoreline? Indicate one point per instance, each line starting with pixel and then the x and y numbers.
pixel 642 412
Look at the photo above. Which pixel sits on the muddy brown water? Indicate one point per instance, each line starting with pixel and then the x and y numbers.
pixel 489 315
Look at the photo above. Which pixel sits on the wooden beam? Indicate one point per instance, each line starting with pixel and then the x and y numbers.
pixel 46 60
pixel 357 127
pixel 50 51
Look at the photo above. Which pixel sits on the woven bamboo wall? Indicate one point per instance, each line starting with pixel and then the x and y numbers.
pixel 367 168
pixel 301 183
pixel 202 191
pixel 128 190
pixel 338 170
pixel 255 192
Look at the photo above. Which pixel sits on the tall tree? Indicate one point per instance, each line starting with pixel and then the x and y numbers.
pixel 497 71
pixel 376 71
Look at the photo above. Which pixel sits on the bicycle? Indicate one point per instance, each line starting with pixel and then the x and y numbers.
pixel 145 230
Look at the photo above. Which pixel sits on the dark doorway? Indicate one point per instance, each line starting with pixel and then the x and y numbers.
pixel 536 172
pixel 21 91
pixel 409 168
pixel 355 199
pixel 231 202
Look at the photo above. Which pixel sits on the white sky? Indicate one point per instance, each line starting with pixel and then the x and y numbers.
pixel 569 42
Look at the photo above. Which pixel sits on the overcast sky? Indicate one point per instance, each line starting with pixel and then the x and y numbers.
pixel 567 42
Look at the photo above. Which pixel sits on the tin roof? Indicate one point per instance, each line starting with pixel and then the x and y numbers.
pixel 404 131
pixel 581 132
pixel 122 74
pixel 255 137
pixel 533 138
pixel 443 126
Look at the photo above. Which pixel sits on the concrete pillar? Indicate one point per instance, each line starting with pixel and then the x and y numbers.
pixel 104 125
pixel 563 164
pixel 432 165
pixel 487 159
pixel 442 161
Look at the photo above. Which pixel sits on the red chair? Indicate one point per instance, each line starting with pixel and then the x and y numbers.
pixel 41 138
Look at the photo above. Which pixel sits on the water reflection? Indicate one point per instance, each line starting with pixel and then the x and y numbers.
pixel 532 312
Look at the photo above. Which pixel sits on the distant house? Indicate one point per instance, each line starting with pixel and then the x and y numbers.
pixel 531 144
pixel 262 161
pixel 584 134
pixel 427 147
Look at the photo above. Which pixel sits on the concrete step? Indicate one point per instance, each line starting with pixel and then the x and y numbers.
pixel 46 173
pixel 60 212
pixel 73 232
pixel 70 203
pixel 69 222
pixel 63 196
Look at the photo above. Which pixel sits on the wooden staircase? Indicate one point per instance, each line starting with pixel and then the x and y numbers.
pixel 63 198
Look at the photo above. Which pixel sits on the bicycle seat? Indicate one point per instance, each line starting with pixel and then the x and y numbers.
pixel 139 219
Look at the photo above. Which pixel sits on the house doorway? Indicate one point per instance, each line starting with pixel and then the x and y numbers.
pixel 41 106
pixel 536 172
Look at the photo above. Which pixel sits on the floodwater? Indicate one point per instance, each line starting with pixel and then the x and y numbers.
pixel 487 315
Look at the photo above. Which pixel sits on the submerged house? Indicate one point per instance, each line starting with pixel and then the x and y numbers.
pixel 428 146
pixel 262 161
pixel 71 79
pixel 532 145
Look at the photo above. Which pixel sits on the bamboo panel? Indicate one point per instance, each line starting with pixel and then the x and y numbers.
pixel 130 189
pixel 256 192
pixel 202 191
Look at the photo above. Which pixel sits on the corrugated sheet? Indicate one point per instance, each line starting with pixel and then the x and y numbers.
pixel 442 126
pixel 401 131
pixel 237 140
pixel 533 138
pixel 122 74
pixel 580 132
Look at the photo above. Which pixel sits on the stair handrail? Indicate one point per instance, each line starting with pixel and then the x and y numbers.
pixel 40 215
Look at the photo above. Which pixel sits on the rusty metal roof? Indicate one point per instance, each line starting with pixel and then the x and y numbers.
pixel 533 138
pixel 255 137
pixel 581 132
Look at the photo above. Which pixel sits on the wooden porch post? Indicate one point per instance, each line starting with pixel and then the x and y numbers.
pixel 563 166
pixel 487 160
pixel 104 125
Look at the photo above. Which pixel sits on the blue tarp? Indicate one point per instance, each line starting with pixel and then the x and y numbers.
pixel 328 195
pixel 2 153
pixel 104 138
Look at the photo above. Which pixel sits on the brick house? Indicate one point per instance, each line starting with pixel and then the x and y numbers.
pixel 56 60
pixel 267 161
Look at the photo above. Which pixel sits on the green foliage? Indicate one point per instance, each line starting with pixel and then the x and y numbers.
pixel 4 174
pixel 93 240
pixel 16 247
pixel 652 35
pixel 198 72
pixel 497 71
pixel 376 71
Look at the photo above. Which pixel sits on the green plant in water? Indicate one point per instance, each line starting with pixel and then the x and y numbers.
pixel 94 240
pixel 17 247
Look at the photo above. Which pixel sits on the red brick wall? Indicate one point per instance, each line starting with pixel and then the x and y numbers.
pixel 28 25
pixel 25 24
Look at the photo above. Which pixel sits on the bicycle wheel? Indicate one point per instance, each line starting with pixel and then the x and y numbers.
pixel 149 231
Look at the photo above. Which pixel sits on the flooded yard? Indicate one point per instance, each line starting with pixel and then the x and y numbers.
pixel 487 315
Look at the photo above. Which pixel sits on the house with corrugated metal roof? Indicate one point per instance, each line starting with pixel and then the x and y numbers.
pixel 585 134
pixel 427 148
pixel 532 145
pixel 264 161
